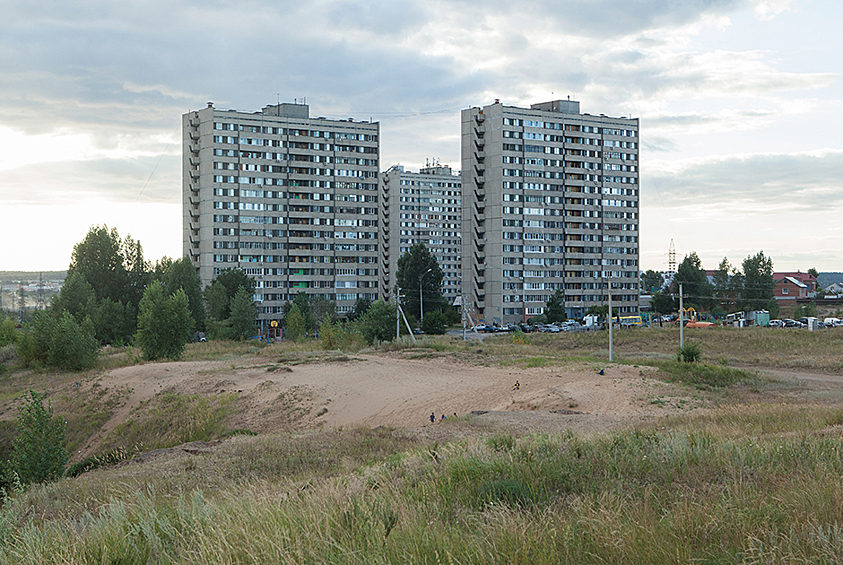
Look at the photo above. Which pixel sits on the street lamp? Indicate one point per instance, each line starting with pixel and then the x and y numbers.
pixel 421 296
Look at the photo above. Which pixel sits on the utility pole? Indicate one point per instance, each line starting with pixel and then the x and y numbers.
pixel 397 312
pixel 42 301
pixel 681 319
pixel 464 322
pixel 22 302
pixel 611 358
pixel 421 296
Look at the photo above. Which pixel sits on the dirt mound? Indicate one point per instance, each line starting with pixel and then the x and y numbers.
pixel 391 390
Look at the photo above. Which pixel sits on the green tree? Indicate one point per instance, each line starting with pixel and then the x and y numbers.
pixel 814 273
pixel 418 272
pixel 663 303
pixel 164 323
pixel 227 283
pixel 294 326
pixel 77 296
pixel 434 323
pixel 694 282
pixel 554 310
pixel 243 314
pixel 38 451
pixel 378 323
pixel 99 259
pixel 216 301
pixel 113 322
pixel 71 346
pixel 360 308
pixel 182 275
pixel 651 281
pixel 758 282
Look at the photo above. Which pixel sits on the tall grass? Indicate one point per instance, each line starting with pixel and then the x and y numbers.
pixel 669 496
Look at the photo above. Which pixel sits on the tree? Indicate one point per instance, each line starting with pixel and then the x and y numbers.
pixel 99 259
pixel 555 307
pixel 814 273
pixel 294 326
pixel 227 283
pixel 38 451
pixel 77 296
pixel 243 314
pixel 56 339
pixel 758 281
pixel 663 303
pixel 182 275
pixel 164 323
pixel 71 346
pixel 434 323
pixel 651 281
pixel 694 282
pixel 378 324
pixel 418 272
pixel 360 308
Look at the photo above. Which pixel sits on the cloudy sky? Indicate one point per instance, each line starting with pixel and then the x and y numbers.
pixel 740 102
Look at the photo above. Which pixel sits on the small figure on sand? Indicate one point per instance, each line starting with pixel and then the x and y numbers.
pixel 443 418
pixel 432 418
pixel 516 386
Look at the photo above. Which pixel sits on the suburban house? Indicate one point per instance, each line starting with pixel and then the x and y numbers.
pixel 810 281
pixel 790 288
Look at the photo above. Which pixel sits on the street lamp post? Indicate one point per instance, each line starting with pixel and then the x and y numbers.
pixel 421 296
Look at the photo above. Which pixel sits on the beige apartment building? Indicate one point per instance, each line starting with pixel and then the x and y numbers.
pixel 292 200
pixel 549 201
pixel 421 207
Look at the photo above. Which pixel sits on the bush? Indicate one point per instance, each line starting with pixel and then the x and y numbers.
pixel 378 324
pixel 56 339
pixel 434 323
pixel 8 333
pixel 38 451
pixel 690 353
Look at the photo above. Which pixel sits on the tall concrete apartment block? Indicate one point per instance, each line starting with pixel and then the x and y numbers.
pixel 422 207
pixel 292 200
pixel 550 201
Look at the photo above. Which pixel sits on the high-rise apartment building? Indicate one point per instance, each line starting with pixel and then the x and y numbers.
pixel 421 207
pixel 292 200
pixel 549 201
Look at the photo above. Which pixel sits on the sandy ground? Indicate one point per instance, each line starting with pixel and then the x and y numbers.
pixel 393 391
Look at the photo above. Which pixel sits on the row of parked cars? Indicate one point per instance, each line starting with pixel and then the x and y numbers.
pixel 567 326
pixel 803 323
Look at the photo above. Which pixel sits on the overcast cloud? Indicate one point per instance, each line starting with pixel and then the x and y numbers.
pixel 739 102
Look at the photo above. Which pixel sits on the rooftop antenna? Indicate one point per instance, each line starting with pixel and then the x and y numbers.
pixel 278 94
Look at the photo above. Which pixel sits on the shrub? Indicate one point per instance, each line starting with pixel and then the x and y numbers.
pixel 690 353
pixel 7 332
pixel 38 451
pixel 378 324
pixel 434 323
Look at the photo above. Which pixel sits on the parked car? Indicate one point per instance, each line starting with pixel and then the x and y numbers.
pixel 776 324
pixel 789 323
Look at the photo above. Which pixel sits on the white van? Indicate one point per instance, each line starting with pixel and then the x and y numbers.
pixel 832 322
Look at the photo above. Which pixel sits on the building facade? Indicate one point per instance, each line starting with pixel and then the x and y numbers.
pixel 421 207
pixel 549 202
pixel 292 200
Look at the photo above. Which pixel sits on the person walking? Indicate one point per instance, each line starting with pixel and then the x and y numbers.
pixel 432 418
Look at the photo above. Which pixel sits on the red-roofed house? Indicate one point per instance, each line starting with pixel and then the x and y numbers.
pixel 789 288
pixel 809 281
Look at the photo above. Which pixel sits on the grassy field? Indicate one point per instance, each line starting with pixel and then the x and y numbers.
pixel 757 478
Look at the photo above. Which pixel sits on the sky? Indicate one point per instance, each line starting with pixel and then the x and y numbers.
pixel 740 105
